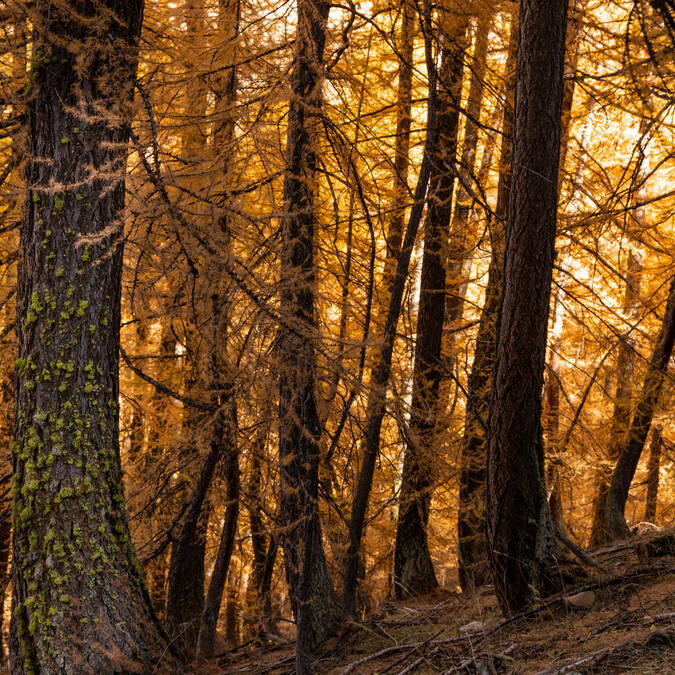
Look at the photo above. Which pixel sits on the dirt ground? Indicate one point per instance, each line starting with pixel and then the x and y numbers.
pixel 629 627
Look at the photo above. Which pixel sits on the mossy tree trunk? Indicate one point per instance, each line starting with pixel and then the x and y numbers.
pixel 80 603
pixel 519 530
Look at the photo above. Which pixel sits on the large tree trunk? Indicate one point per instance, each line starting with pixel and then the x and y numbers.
pixel 413 569
pixel 519 530
pixel 615 520
pixel 312 595
pixel 80 604
pixel 473 563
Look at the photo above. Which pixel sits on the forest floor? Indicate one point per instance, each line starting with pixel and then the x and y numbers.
pixel 629 627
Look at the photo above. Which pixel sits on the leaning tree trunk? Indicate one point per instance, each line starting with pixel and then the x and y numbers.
pixel 312 595
pixel 413 569
pixel 615 520
pixel 519 530
pixel 473 563
pixel 80 604
pixel 622 397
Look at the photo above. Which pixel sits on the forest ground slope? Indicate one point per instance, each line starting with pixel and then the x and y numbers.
pixel 630 627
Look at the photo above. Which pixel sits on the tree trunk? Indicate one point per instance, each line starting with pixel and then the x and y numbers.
pixel 312 595
pixel 400 189
pixel 225 429
pixel 552 385
pixel 461 230
pixel 377 403
pixel 80 604
pixel 185 596
pixel 473 563
pixel 413 569
pixel 551 416
pixel 653 474
pixel 622 397
pixel 615 520
pixel 519 530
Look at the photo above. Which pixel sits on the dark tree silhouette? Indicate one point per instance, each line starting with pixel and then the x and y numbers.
pixel 519 529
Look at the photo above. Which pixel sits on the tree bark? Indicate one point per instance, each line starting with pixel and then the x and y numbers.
pixel 473 562
pixel 413 569
pixel 519 530
pixel 615 520
pixel 312 595
pixel 80 604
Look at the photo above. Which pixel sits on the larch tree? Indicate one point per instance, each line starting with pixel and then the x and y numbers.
pixel 312 594
pixel 473 559
pixel 615 520
pixel 80 603
pixel 519 529
pixel 413 569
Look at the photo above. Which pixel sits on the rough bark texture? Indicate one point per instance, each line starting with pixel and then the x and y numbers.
pixel 615 520
pixel 413 569
pixel 312 595
pixel 519 531
pixel 473 564
pixel 80 604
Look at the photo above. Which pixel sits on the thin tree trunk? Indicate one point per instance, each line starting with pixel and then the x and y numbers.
pixel 400 188
pixel 519 530
pixel 413 569
pixel 185 596
pixel 460 241
pixel 551 416
pixel 473 562
pixel 156 569
pixel 622 397
pixel 615 520
pixel 377 404
pixel 226 430
pixel 312 594
pixel 653 474
pixel 79 601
